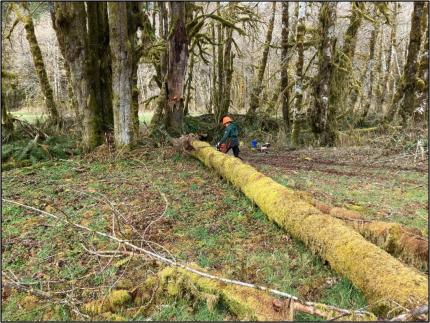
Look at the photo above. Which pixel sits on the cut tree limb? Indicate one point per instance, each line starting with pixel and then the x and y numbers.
pixel 384 280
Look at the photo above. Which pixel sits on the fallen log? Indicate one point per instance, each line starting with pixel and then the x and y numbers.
pixel 407 244
pixel 245 303
pixel 386 282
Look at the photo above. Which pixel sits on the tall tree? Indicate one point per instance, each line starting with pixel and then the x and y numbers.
pixel 298 114
pixel 122 70
pixel 258 81
pixel 387 79
pixel 322 113
pixel 284 66
pixel 38 62
pixel 371 67
pixel 408 87
pixel 177 64
pixel 100 67
pixel 70 25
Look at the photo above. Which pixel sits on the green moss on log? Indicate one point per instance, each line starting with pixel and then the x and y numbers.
pixel 384 280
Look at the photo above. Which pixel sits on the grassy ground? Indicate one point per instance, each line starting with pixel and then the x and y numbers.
pixel 205 221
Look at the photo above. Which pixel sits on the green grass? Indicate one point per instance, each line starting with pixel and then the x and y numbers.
pixel 207 222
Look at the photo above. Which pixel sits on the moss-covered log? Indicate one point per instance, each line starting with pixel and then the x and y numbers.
pixel 404 243
pixel 244 302
pixel 384 280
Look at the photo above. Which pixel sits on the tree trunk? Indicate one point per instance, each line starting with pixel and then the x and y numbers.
pixel 409 90
pixel 385 281
pixel 73 104
pixel 284 68
pixel 422 81
pixel 178 58
pixel 101 62
pixel 322 114
pixel 188 85
pixel 157 118
pixel 214 73
pixel 220 67
pixel 69 22
pixel 370 69
pixel 122 73
pixel 227 74
pixel 388 69
pixel 39 65
pixel 257 86
pixel 298 102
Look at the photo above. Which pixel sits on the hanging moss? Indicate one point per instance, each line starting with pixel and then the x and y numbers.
pixel 383 279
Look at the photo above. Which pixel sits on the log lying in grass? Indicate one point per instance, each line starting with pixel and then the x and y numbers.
pixel 244 302
pixel 384 280
pixel 405 243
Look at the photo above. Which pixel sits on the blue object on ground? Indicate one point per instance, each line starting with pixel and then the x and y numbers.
pixel 254 143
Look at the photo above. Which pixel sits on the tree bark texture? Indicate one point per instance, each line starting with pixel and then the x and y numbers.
pixel 39 65
pixel 178 58
pixel 385 281
pixel 322 114
pixel 409 92
pixel 69 22
pixel 298 114
pixel 227 73
pixel 258 81
pixel 284 67
pixel 122 70
pixel 371 68
pixel 101 62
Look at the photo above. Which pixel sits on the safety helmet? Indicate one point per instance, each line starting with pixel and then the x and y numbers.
pixel 226 120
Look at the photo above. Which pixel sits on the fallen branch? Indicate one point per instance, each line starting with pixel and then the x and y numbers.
pixel 414 314
pixel 309 305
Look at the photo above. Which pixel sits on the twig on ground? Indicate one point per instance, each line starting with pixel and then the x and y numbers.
pixel 175 263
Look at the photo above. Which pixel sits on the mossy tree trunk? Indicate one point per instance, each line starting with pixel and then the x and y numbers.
pixel 214 95
pixel 258 81
pixel 122 73
pixel 101 61
pixel 188 84
pixel 388 76
pixel 70 25
pixel 370 69
pixel 39 64
pixel 298 114
pixel 178 59
pixel 322 114
pixel 409 88
pixel 422 80
pixel 220 66
pixel 284 67
pixel 227 73
pixel 161 68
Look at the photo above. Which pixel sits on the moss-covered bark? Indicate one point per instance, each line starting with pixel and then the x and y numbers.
pixel 39 65
pixel 284 68
pixel 178 59
pixel 227 73
pixel 122 70
pixel 70 25
pixel 323 111
pixel 298 114
pixel 258 81
pixel 409 90
pixel 101 62
pixel 385 281
pixel 371 69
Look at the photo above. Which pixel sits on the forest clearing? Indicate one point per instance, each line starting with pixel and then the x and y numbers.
pixel 215 161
